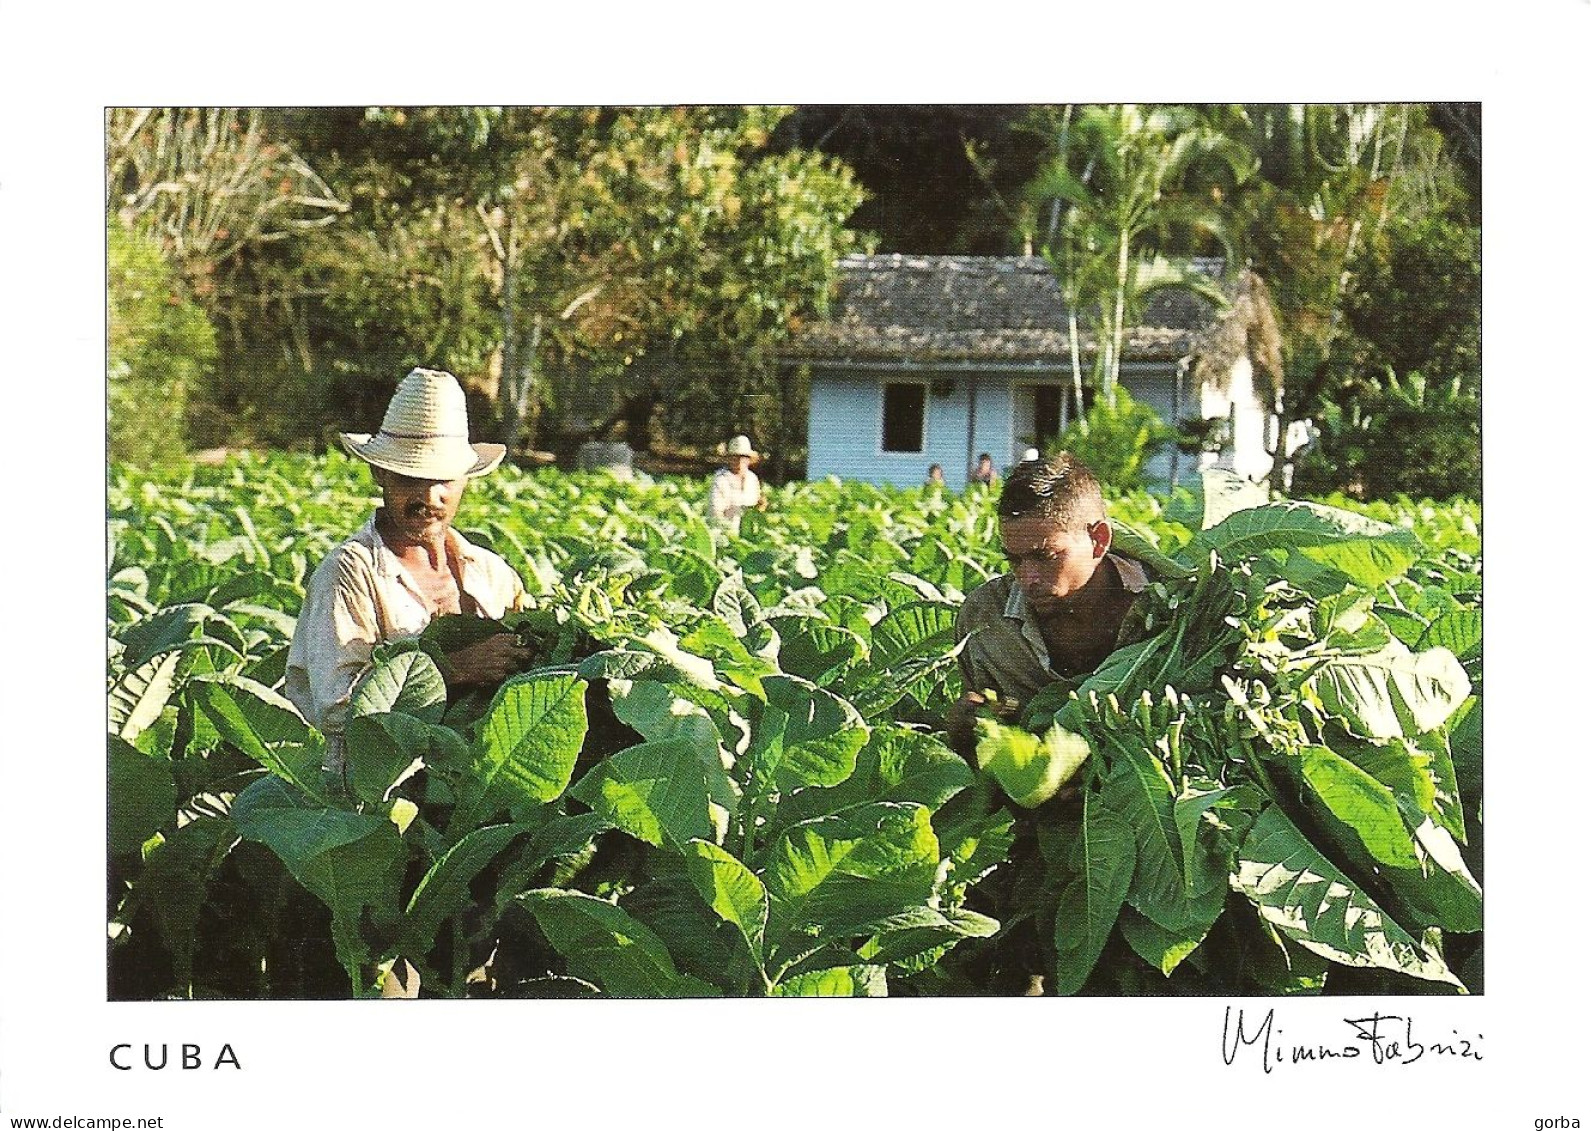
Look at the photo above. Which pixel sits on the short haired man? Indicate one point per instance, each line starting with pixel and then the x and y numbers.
pixel 406 565
pixel 1063 606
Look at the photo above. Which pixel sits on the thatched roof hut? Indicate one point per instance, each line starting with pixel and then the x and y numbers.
pixel 929 308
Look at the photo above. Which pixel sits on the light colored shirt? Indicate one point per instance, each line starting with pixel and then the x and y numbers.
pixel 732 495
pixel 1005 649
pixel 361 596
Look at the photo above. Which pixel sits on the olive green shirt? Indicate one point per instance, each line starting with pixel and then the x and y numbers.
pixel 1004 649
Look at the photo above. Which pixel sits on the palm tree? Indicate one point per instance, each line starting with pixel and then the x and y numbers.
pixel 1121 183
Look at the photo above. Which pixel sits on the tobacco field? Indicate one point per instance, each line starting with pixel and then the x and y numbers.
pixel 726 774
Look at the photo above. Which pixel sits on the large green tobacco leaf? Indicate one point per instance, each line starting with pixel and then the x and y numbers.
pixel 836 981
pixel 828 877
pixel 408 682
pixel 141 797
pixel 908 765
pixel 175 628
pixel 604 944
pixel 1130 542
pixel 1363 550
pixel 531 736
pixel 656 792
pixel 1221 814
pixel 138 697
pixel 803 736
pixel 175 881
pixel 656 713
pixel 383 750
pixel 452 632
pixel 1162 948
pixel 913 630
pixel 814 649
pixel 915 637
pixel 1029 767
pixel 1310 901
pixel 1440 891
pixel 731 889
pixel 1408 627
pixel 691 576
pixel 352 862
pixel 671 906
pixel 1459 631
pixel 619 663
pixel 445 891
pixel 729 654
pixel 1138 790
pixel 1091 901
pixel 1418 771
pixel 1362 803
pixel 735 605
pixel 897 764
pixel 915 939
pixel 265 727
pixel 1391 693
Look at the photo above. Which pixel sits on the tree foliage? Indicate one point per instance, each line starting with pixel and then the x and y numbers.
pixel 160 346
pixel 631 271
pixel 561 260
pixel 1124 192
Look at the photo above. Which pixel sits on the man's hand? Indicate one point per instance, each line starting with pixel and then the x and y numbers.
pixel 488 661
pixel 958 722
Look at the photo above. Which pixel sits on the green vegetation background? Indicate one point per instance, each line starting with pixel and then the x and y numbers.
pixel 630 272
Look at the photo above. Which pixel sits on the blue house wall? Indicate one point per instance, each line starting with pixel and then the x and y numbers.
pixel 845 425
pixel 846 420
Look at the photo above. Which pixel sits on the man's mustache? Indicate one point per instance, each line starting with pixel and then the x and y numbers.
pixel 420 510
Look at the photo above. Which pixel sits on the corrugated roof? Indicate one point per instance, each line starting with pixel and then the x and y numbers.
pixel 970 308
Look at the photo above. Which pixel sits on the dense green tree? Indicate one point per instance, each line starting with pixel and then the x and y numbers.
pixel 160 347
pixel 561 254
pixel 1416 303
pixel 231 205
pixel 1344 227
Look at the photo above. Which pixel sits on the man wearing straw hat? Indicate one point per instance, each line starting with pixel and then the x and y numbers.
pixel 406 565
pixel 736 488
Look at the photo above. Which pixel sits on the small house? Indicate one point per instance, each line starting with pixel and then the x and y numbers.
pixel 928 359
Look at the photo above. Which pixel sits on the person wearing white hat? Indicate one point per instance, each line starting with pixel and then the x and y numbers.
pixel 736 488
pixel 406 565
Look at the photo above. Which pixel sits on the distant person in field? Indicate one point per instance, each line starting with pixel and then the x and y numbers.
pixel 984 473
pixel 406 565
pixel 735 488
pixel 1063 606
pixel 936 475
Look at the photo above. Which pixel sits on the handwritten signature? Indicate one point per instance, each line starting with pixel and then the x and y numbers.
pixel 1387 1038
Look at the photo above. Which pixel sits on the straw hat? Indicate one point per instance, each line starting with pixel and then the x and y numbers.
pixel 740 446
pixel 426 432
